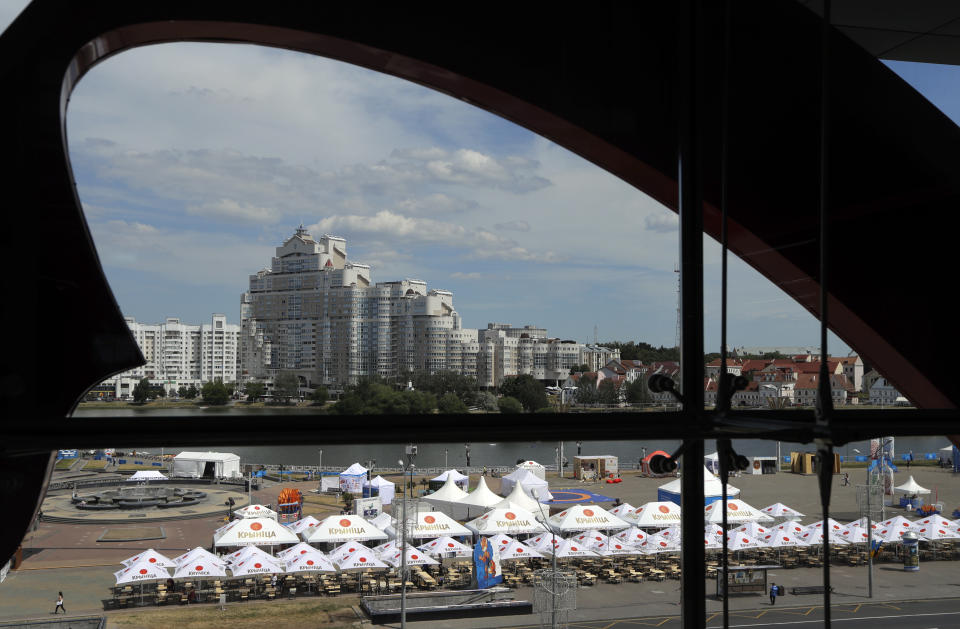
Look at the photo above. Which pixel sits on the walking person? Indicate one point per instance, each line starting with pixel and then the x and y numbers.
pixel 60 603
pixel 773 594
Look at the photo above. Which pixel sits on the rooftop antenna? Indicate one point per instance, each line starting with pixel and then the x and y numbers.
pixel 595 330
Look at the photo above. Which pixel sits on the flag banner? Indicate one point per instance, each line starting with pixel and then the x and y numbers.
pixel 486 564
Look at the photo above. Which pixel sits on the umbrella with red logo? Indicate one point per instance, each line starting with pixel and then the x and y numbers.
pixel 449 547
pixel 304 524
pixel 255 511
pixel 515 551
pixel 300 549
pixel 150 556
pixel 415 557
pixel 199 570
pixel 585 518
pixel 257 565
pixel 343 528
pixel 141 572
pixel 655 515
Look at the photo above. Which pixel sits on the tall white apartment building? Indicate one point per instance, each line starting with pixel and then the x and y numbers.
pixel 180 354
pixel 317 314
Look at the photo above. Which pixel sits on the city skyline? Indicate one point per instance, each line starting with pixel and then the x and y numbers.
pixel 190 172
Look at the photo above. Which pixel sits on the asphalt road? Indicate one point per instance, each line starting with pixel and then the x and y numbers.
pixel 924 614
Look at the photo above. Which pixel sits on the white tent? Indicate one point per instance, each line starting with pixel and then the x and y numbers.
pixel 448 493
pixel 814 535
pixel 737 512
pixel 360 560
pixel 309 562
pixel 144 475
pixel 249 552
pixel 415 557
pixel 446 546
pixel 344 528
pixel 528 481
pixel 206 465
pixel 934 533
pixel 616 548
pixel 509 521
pixel 500 540
pixel 534 468
pixel 329 483
pixel 382 521
pixel 302 548
pixel 911 487
pixel 741 541
pixel 655 514
pixel 434 523
pixel 152 557
pixel 781 539
pixel 352 478
pixel 302 525
pixel 140 572
pixel 198 553
pixel 582 518
pixel 255 531
pixel 518 498
pixel 712 488
pixel 592 539
pixel 341 551
pixel 622 510
pixel 632 535
pixel 569 548
pixel 780 510
pixel 792 526
pixel 754 530
pixel 199 569
pixel 256 511
pixel 460 479
pixel 386 489
pixel 257 565
pixel 515 550
pixel 481 496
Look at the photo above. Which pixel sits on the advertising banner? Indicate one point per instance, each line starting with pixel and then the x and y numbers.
pixel 486 564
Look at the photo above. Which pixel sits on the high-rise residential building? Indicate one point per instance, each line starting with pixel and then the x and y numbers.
pixel 180 354
pixel 317 314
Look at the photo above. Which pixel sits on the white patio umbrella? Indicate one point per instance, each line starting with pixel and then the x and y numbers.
pixel 592 539
pixel 509 521
pixel 449 546
pixel 360 560
pixel 415 557
pixel 257 565
pixel 831 524
pixel 586 517
pixel 655 515
pixel 813 536
pixel 569 548
pixel 854 533
pixel 429 524
pixel 632 535
pixel 791 525
pixel 753 529
pixel 198 553
pixel 343 528
pixel 936 533
pixel 198 570
pixel 780 539
pixel 622 510
pixel 900 523
pixel 544 542
pixel 711 542
pixel 738 512
pixel 712 530
pixel 150 556
pixel 386 548
pixel 255 531
pixel 303 524
pixel 500 540
pixel 780 510
pixel 300 549
pixel 251 552
pixel 255 511
pixel 314 562
pixel 141 572
pixel 515 550
pixel 934 520
pixel 614 548
pixel 340 552
pixel 653 545
pixel 741 541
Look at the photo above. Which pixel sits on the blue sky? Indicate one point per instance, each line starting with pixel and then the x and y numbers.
pixel 193 161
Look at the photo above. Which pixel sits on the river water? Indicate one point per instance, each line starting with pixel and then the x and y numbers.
pixel 486 451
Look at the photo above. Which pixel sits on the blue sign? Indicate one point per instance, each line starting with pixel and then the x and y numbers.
pixel 486 564
pixel 574 496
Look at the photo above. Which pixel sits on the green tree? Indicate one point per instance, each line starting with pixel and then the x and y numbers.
pixel 320 396
pixel 347 500
pixel 449 404
pixel 182 391
pixel 192 392
pixel 487 401
pixel 374 398
pixel 527 389
pixel 638 392
pixel 286 385
pixel 215 393
pixel 141 391
pixel 509 405
pixel 607 392
pixel 580 368
pixel 158 392
pixel 442 382
pixel 254 390
pixel 587 390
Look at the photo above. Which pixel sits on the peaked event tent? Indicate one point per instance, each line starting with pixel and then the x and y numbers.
pixel 534 468
pixel 655 515
pixel 386 489
pixel 256 511
pixel 255 531
pixel 448 493
pixel 528 481
pixel 583 518
pixel 737 512
pixel 912 488
pixel 712 489
pixel 510 521
pixel 352 478
pixel 147 475
pixel 518 498
pixel 458 478
pixel 481 496
pixel 344 528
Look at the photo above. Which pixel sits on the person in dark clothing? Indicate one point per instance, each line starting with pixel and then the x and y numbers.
pixel 60 604
pixel 773 594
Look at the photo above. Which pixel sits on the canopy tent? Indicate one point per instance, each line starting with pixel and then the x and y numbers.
pixel 446 546
pixel 460 479
pixel 259 531
pixel 509 521
pixel 592 539
pixel 386 548
pixel 352 478
pixel 516 550
pixel 330 483
pixel 448 493
pixel 912 488
pixel 145 475
pixel 360 560
pixel 250 552
pixel 658 544
pixel 382 521
pixel 622 510
pixel 616 549
pixel 207 465
pixel 712 489
pixel 780 510
pixel 534 468
pixel 814 535
pixel 433 523
pixel 741 541
pixel 344 528
pixel 832 524
pixel 935 533
pixel 737 512
pixel 140 572
pixel 855 534
pixel 415 557
pixel 500 540
pixel 309 562
pixel 303 524
pixel 518 498
pixel 528 481
pixel 257 565
pixel 256 511
pixel 582 518
pixel 655 515
pixel 632 535
pixel 481 496
pixel 781 539
pixel 898 522
pixel 302 548
pixel 543 543
pixel 341 551
pixel 152 557
pixel 568 548
pixel 712 462
pixel 754 530
pixel 198 553
pixel 199 569
pixel 792 526
pixel 385 489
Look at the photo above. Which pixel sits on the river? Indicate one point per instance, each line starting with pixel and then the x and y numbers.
pixel 486 451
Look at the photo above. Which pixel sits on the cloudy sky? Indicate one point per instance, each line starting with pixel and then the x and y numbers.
pixel 193 161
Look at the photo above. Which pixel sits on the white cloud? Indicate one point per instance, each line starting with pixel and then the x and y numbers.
pixel 466 276
pixel 513 226
pixel 662 223
pixel 235 211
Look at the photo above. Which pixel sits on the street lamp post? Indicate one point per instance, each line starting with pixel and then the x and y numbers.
pixel 553 561
pixel 411 453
